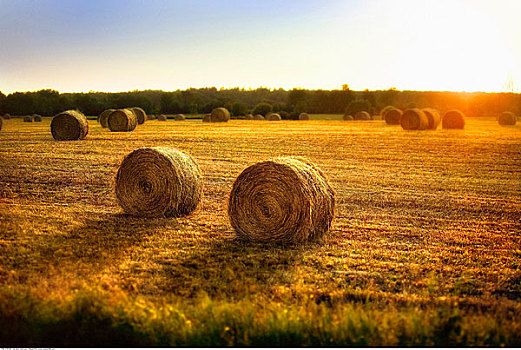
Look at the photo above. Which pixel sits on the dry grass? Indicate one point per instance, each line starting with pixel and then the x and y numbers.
pixel 433 228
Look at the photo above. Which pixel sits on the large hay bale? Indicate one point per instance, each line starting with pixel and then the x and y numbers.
pixel 37 118
pixel 303 116
pixel 362 115
pixel 161 117
pixel 392 116
pixel 7 116
pixel 220 114
pixel 103 117
pixel 507 118
pixel 158 181
pixel 207 118
pixel 258 117
pixel 453 119
pixel 140 114
pixel 273 117
pixel 433 118
pixel 283 199
pixel 348 117
pixel 414 119
pixel 69 125
pixel 28 119
pixel 179 117
pixel 385 110
pixel 122 120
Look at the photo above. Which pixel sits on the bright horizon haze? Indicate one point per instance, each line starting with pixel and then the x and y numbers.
pixel 124 45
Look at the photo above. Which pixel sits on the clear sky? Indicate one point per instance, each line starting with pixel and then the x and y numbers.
pixel 122 45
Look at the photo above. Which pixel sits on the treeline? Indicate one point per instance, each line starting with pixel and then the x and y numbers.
pixel 262 100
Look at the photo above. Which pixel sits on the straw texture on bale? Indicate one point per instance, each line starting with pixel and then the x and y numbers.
pixel 258 117
pixel 103 117
pixel 69 125
pixel 303 116
pixel 283 199
pixel 122 120
pixel 392 116
pixel 219 115
pixel 37 118
pixel 179 117
pixel 362 115
pixel 414 119
pixel 140 114
pixel 157 182
pixel 348 117
pixel 207 118
pixel 507 118
pixel 454 119
pixel 274 117
pixel 28 119
pixel 161 117
pixel 7 116
pixel 433 118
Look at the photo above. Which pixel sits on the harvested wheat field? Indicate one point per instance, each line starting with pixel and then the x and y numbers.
pixel 424 248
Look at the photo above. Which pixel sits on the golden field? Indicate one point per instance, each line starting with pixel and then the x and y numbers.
pixel 425 248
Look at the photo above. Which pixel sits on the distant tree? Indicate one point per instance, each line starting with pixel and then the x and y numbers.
pixel 357 106
pixel 262 108
pixel 239 108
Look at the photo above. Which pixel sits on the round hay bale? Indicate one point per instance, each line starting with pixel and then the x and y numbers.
pixel 433 118
pixel 453 119
pixel 207 118
pixel 283 199
pixel 69 125
pixel 507 118
pixel 362 115
pixel 103 117
pixel 140 114
pixel 414 119
pixel 151 117
pixel 273 117
pixel 157 182
pixel 7 116
pixel 37 118
pixel 161 117
pixel 392 116
pixel 258 117
pixel 348 117
pixel 220 114
pixel 303 116
pixel 385 110
pixel 122 120
pixel 179 117
pixel 249 117
pixel 28 119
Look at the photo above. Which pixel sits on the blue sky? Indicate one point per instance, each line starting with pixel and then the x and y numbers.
pixel 116 45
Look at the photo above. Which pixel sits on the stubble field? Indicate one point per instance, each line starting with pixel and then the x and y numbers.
pixel 425 248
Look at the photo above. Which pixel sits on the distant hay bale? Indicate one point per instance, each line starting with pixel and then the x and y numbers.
pixel 385 110
pixel 69 125
pixel 37 118
pixel 161 117
pixel 151 117
pixel 206 118
pixel 454 119
pixel 303 116
pixel 249 117
pixel 28 119
pixel 179 117
pixel 433 118
pixel 140 114
pixel 392 116
pixel 274 117
pixel 258 117
pixel 348 117
pixel 414 119
pixel 282 199
pixel 157 182
pixel 219 115
pixel 362 115
pixel 122 120
pixel 7 116
pixel 103 117
pixel 507 118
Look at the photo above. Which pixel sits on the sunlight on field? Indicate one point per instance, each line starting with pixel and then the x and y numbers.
pixel 426 229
